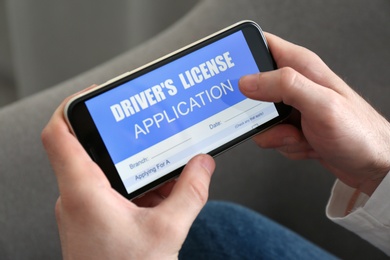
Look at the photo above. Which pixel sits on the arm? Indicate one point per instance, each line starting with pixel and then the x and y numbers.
pixel 366 216
pixel 95 222
pixel 331 123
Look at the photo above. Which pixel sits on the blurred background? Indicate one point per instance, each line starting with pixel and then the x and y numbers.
pixel 37 51
pixel 46 42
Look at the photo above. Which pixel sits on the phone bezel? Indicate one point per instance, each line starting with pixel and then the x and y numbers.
pixel 82 125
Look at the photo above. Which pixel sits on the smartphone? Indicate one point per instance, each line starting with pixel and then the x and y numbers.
pixel 142 127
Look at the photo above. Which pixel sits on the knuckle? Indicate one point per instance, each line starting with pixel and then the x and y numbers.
pixel 332 113
pixel 292 83
pixel 45 136
pixel 198 190
pixel 288 77
pixel 48 135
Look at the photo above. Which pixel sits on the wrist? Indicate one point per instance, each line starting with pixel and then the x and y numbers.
pixel 371 184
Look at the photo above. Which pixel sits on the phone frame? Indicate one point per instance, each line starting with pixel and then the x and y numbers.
pixel 83 127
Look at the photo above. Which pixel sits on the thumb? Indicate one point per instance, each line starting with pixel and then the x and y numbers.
pixel 190 193
pixel 288 86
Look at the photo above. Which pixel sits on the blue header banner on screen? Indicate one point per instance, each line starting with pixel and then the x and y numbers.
pixel 157 105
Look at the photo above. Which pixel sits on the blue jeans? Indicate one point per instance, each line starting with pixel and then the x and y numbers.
pixel 229 231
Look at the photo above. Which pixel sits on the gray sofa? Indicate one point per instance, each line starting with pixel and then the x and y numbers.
pixel 352 36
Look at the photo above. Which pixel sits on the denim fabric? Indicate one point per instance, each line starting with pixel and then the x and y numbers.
pixel 229 231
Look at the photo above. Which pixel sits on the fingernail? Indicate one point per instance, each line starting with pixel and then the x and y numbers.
pixel 249 82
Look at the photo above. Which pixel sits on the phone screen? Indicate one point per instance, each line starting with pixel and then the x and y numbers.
pixel 153 123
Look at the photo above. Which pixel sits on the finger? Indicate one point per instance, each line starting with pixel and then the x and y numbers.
pixel 299 155
pixel 155 197
pixel 280 136
pixel 304 61
pixel 190 193
pixel 71 163
pixel 286 139
pixel 165 190
pixel 290 87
